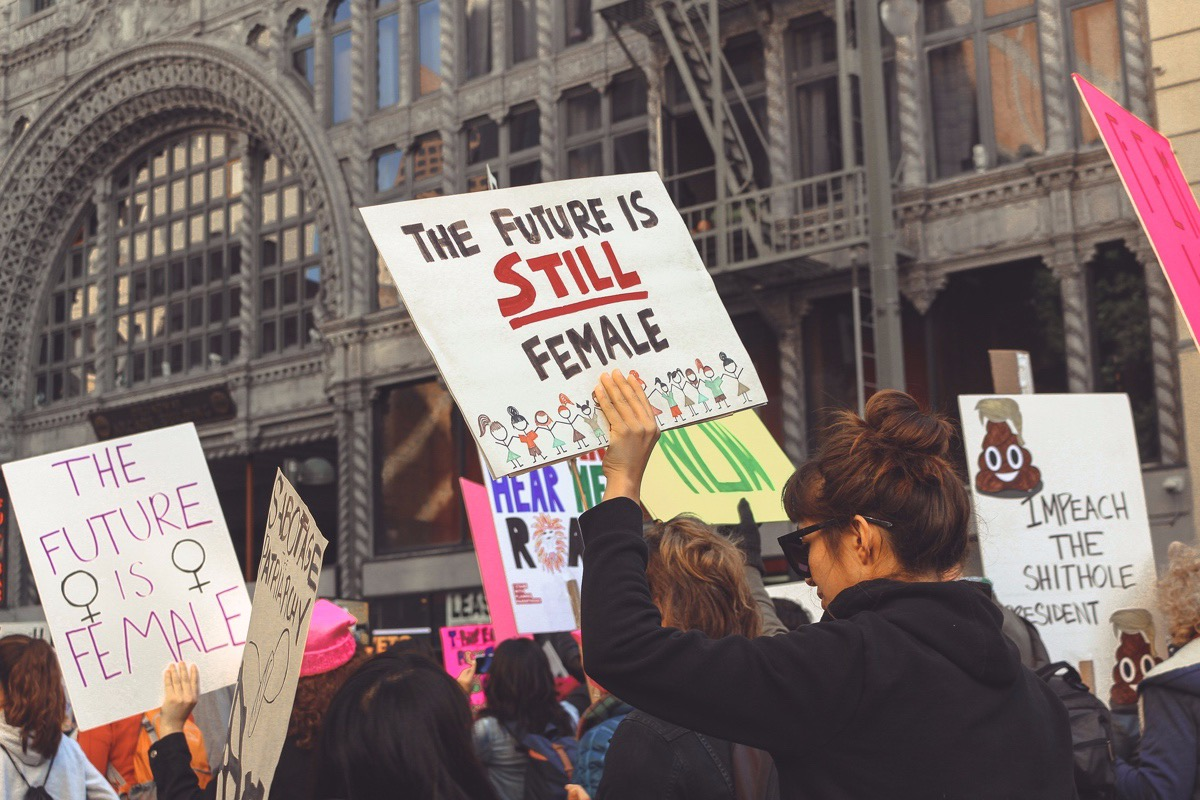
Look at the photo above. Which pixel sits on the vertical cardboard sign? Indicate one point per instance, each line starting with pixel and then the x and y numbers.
pixel 524 296
pixel 134 567
pixel 705 469
pixel 1160 193
pixel 1063 529
pixel 461 645
pixel 288 574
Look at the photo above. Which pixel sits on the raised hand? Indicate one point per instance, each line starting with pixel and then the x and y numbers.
pixel 181 691
pixel 633 432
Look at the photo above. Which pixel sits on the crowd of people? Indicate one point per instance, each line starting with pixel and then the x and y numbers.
pixel 914 684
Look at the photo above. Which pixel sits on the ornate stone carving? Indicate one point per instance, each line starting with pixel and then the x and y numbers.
pixel 547 88
pixel 1054 70
pixel 1068 269
pixel 1162 347
pixel 1136 46
pixel 920 283
pixel 355 508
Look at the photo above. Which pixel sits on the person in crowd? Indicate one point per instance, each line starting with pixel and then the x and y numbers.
pixel 520 700
pixel 331 655
pixel 1167 763
pixel 697 581
pixel 791 614
pixel 36 753
pixel 596 728
pixel 112 748
pixel 401 727
pixel 908 690
pixel 748 538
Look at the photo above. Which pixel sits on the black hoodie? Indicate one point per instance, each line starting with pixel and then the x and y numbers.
pixel 910 691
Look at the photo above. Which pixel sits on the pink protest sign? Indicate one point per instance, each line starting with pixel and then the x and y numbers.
pixel 461 645
pixel 1159 191
pixel 491 564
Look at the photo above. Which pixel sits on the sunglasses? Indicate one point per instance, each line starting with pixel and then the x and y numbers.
pixel 795 548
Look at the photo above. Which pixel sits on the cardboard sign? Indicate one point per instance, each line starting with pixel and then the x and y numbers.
pixel 460 645
pixel 538 547
pixel 525 296
pixel 705 469
pixel 1063 529
pixel 134 567
pixel 288 573
pixel 1160 193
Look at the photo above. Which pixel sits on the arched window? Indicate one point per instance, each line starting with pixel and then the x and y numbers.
pixel 340 67
pixel 300 32
pixel 171 274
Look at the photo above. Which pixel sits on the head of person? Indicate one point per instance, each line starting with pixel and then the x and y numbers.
pixel 33 696
pixel 520 689
pixel 401 727
pixel 1179 593
pixel 887 499
pixel 698 580
pixel 331 655
pixel 791 614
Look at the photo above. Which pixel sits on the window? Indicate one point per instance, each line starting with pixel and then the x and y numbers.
pixel 340 68
pixel 387 53
pixel 429 47
pixel 477 39
pixel 512 150
pixel 423 449
pixel 522 25
pixel 300 32
pixel 401 175
pixel 576 21
pixel 607 134
pixel 290 266
pixel 985 83
pixel 66 368
pixel 1096 55
pixel 816 98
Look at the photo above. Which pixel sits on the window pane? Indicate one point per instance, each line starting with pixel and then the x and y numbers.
pixel 583 113
pixel 628 96
pixel 955 107
pixel 483 141
pixel 429 47
pixel 577 21
pixel 389 170
pixel 302 26
pixel 818 128
pixel 525 174
pixel 815 45
pixel 387 61
pixel 1097 57
pixel 942 14
pixel 478 40
pixel 427 158
pixel 1017 93
pixel 746 60
pixel 993 7
pixel 524 130
pixel 631 153
pixel 341 77
pixel 523 24
pixel 341 12
pixel 304 63
pixel 585 162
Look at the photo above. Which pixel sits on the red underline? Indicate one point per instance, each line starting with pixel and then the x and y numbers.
pixel 583 305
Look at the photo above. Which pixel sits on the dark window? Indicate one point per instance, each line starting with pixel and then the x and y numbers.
pixel 477 38
pixel 522 23
pixel 577 21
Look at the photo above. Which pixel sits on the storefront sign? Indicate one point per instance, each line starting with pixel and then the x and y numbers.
pixel 525 296
pixel 134 567
pixel 467 607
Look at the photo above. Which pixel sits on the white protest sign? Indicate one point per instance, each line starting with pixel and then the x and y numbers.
pixel 288 573
pixel 134 567
pixel 525 296
pixel 1063 529
pixel 541 548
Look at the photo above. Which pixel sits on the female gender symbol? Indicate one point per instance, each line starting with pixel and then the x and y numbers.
pixel 190 554
pixel 87 604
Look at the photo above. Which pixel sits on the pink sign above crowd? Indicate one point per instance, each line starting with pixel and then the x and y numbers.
pixel 1159 191
pixel 461 646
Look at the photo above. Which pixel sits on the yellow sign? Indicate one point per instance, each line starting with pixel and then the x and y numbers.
pixel 705 469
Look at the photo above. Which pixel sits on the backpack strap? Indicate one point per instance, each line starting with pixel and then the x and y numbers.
pixel 18 769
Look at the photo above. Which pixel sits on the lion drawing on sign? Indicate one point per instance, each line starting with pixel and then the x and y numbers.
pixel 550 542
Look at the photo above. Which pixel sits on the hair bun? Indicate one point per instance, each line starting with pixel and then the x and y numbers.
pixel 895 419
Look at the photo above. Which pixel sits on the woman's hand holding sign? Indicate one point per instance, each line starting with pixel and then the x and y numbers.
pixel 181 692
pixel 633 432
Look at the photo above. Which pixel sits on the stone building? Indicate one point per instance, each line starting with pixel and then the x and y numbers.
pixel 178 236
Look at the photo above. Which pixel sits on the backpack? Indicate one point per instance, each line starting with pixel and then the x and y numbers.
pixel 1091 732
pixel 550 765
pixel 33 792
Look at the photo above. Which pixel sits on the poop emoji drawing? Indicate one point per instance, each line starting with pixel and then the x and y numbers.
pixel 1134 629
pixel 1005 465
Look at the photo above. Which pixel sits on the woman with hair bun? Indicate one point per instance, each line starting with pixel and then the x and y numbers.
pixel 907 689
pixel 38 760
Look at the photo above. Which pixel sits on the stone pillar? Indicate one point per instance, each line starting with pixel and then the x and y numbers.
pixel 449 99
pixel 795 390
pixel 322 90
pixel 1068 268
pixel 408 51
pixel 1052 39
pixel 102 357
pixel 779 129
pixel 356 510
pixel 655 98
pixel 1163 342
pixel 247 237
pixel 547 96
pixel 913 132
pixel 358 270
pixel 1135 44
pixel 499 10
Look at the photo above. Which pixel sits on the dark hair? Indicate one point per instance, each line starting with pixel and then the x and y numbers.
pixel 401 727
pixel 33 692
pixel 892 464
pixel 791 614
pixel 314 693
pixel 520 689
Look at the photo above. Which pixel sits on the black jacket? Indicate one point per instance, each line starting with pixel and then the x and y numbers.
pixel 650 759
pixel 910 691
pixel 170 761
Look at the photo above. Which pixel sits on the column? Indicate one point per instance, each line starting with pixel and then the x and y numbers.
pixel 1135 43
pixel 449 98
pixel 356 510
pixel 795 390
pixel 913 133
pixel 1052 39
pixel 779 130
pixel 356 277
pixel 1068 268
pixel 321 65
pixel 655 98
pixel 408 51
pixel 547 97
pixel 102 357
pixel 499 9
pixel 1163 351
pixel 247 237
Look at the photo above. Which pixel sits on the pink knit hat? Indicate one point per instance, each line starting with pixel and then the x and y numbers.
pixel 330 642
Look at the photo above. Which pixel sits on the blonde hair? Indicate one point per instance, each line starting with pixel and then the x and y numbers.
pixel 1179 593
pixel 698 581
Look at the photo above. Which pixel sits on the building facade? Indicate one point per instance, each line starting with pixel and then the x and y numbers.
pixel 178 235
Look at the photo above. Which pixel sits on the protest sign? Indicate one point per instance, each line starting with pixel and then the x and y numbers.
pixel 801 594
pixel 1063 529
pixel 461 645
pixel 705 469
pixel 1160 193
pixel 525 296
pixel 535 544
pixel 288 573
pixel 134 567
